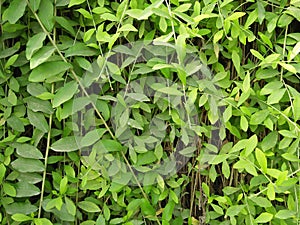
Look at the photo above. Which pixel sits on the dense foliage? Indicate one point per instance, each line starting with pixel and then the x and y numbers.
pixel 150 112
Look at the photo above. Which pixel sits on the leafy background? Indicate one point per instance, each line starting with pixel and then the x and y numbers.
pixel 252 50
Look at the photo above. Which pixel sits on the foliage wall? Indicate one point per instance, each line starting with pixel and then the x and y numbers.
pixel 59 166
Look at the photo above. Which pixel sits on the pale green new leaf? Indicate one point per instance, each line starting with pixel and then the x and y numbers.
pixel 128 27
pixel 261 159
pixel 75 2
pixel 264 218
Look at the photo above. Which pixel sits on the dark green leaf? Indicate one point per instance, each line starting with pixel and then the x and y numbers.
pixel 65 24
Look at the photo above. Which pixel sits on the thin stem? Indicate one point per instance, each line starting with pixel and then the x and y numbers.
pixel 46 160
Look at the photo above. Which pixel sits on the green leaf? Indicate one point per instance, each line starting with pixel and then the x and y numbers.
pixel 28 151
pixel 89 206
pixel 269 141
pixel 21 165
pixel 34 43
pixel 38 105
pixel 146 208
pixel 265 39
pixel 271 191
pixel 234 210
pixel 259 117
pixel 246 83
pixel 256 54
pixel 4 53
pixel 41 56
pixel 146 158
pixel 63 186
pixel 2 172
pixel 128 27
pixel 92 137
pixel 251 144
pixel 285 214
pixel 75 2
pixel 14 11
pixel 288 133
pixel 21 217
pixel 34 4
pixel 170 91
pixel 227 113
pixel 296 105
pixel 65 93
pixel 66 144
pixel 244 123
pixel 70 206
pixel 9 189
pixel 261 201
pixel 88 34
pixel 106 212
pixel 188 151
pixel 168 211
pixel 235 16
pixel 15 123
pixel 62 21
pixel 38 120
pixel 107 145
pixel 218 36
pixel 163 24
pixel 11 61
pixel 217 209
pixel 180 45
pixel 25 189
pixel 47 70
pixel 45 14
pixel 236 60
pixel 12 98
pixel 252 17
pixel 20 207
pixel 276 96
pixel 85 13
pixel 261 11
pixel 80 49
pixel 135 13
pixel 264 218
pixel 42 221
pixel 290 157
pixel 261 159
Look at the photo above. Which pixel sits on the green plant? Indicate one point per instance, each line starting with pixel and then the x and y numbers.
pixel 63 159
